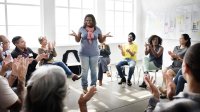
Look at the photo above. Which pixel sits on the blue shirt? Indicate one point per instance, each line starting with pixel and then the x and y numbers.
pixel 87 48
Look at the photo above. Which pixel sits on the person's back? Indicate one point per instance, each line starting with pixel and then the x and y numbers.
pixel 46 90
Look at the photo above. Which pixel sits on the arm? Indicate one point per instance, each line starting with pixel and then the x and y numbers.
pixel 152 88
pixel 105 50
pixel 102 38
pixel 85 98
pixel 20 68
pixel 54 53
pixel 77 37
pixel 130 52
pixel 157 54
pixel 122 51
pixel 146 49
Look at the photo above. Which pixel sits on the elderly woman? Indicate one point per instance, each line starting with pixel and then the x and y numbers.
pixel 49 50
pixel 47 89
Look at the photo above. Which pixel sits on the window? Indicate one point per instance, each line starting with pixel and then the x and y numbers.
pixel 21 18
pixel 69 16
pixel 119 19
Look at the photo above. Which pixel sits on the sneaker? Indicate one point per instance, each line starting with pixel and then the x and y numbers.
pixel 129 83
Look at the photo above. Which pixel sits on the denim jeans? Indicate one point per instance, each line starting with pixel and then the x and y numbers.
pixel 179 81
pixel 131 64
pixel 86 63
pixel 62 65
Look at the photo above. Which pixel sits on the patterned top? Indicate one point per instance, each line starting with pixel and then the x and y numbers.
pixel 50 57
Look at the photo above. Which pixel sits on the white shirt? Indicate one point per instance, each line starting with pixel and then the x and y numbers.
pixel 7 95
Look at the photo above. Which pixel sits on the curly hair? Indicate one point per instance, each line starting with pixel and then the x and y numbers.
pixel 153 37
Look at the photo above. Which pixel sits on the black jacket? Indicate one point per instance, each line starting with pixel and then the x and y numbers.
pixel 27 53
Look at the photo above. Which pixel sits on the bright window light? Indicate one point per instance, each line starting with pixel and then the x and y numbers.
pixel 23 15
pixel 2 14
pixel 34 2
pixel 63 3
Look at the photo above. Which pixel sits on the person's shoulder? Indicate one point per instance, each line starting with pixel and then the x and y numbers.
pixel 186 104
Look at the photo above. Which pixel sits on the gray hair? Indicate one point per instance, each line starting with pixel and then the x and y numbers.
pixel 46 90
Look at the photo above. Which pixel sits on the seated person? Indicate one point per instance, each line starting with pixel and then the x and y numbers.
pixel 21 50
pixel 177 58
pixel 179 82
pixel 103 61
pixel 155 52
pixel 9 99
pixel 187 101
pixel 47 89
pixel 128 51
pixel 49 50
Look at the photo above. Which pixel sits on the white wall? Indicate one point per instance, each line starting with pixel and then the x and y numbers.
pixel 163 6
pixel 140 7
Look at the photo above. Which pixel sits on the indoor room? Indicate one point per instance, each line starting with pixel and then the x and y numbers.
pixel 108 51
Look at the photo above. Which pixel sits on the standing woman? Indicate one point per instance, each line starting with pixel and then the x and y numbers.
pixel 103 61
pixel 88 35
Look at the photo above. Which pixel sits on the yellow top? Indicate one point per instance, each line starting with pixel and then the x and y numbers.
pixel 133 48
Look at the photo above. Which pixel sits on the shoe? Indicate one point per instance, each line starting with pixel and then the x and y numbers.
pixel 143 85
pixel 100 82
pixel 123 80
pixel 129 83
pixel 76 77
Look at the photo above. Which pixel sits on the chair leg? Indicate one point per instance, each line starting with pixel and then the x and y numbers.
pixel 110 70
pixel 139 75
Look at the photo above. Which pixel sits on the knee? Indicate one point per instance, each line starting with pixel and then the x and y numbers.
pixel 132 67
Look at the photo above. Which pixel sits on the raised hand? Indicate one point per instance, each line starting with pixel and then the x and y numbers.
pixel 73 34
pixel 108 35
pixel 150 84
pixel 120 47
pixel 19 67
pixel 7 63
pixel 84 98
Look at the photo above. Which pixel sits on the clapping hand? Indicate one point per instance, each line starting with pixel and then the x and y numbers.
pixel 120 47
pixel 19 67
